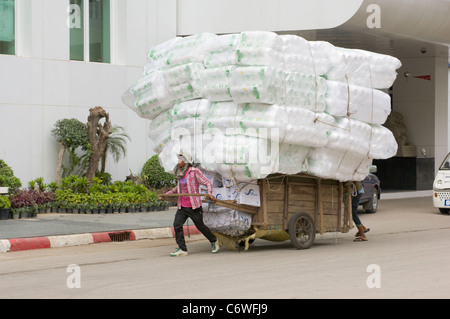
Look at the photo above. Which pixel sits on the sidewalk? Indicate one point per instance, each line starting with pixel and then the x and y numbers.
pixel 62 230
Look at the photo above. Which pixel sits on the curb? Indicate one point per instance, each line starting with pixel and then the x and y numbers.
pixel 21 244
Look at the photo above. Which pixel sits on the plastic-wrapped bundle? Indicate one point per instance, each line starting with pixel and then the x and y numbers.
pixel 249 119
pixel 364 68
pixel 360 103
pixel 216 83
pixel 382 143
pixel 309 57
pixel 178 51
pixel 363 169
pixel 261 116
pixel 226 221
pixel 222 115
pixel 190 115
pixel 240 157
pixel 305 90
pixel 335 164
pixel 258 84
pixel 191 73
pixel 221 51
pixel 159 90
pixel 305 127
pixel 266 83
pixel 158 55
pixel 350 135
pixel 252 48
pixel 160 131
pixel 260 48
pixel 148 97
pixel 292 159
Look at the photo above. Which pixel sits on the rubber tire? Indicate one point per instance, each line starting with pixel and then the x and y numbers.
pixel 308 224
pixel 372 206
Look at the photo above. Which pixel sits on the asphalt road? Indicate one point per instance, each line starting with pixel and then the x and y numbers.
pixel 406 257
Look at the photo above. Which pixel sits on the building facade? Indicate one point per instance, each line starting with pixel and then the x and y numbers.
pixel 59 58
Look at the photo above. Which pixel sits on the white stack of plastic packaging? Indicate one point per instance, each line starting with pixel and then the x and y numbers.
pixel 255 103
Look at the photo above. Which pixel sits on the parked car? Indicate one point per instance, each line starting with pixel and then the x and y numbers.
pixel 441 187
pixel 372 192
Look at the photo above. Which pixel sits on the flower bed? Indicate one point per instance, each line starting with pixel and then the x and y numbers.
pixel 77 195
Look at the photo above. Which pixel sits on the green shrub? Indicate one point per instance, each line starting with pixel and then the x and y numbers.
pixel 154 175
pixel 7 178
pixel 5 170
pixel 5 202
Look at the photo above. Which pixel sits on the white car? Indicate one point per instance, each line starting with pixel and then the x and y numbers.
pixel 441 187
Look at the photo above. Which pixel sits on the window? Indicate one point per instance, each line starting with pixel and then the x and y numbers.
pixel 7 29
pixel 90 38
pixel 99 31
pixel 76 24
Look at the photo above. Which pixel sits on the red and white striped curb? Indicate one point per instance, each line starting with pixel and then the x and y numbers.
pixel 20 244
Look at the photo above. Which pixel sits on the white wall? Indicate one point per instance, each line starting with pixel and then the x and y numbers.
pixel 41 85
pixel 423 103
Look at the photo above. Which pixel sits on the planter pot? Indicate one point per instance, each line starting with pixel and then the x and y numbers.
pixel 102 211
pixel 4 213
pixel 24 215
pixel 33 214
pixel 16 216
pixel 109 211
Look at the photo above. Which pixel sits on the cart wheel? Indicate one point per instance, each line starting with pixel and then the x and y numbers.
pixel 302 231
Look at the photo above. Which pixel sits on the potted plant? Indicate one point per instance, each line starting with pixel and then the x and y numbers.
pixel 5 207
pixel 15 213
pixel 33 210
pixel 25 212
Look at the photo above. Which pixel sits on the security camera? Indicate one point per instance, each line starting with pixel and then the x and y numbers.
pixel 423 50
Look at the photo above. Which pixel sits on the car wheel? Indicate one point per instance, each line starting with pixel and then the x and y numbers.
pixel 444 210
pixel 372 205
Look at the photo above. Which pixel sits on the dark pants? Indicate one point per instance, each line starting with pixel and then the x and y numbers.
pixel 180 218
pixel 355 204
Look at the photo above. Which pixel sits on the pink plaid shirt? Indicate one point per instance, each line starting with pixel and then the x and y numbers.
pixel 194 178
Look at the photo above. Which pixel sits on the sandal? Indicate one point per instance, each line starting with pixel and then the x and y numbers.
pixel 359 239
pixel 366 231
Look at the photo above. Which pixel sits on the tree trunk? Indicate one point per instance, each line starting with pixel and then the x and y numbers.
pixel 103 160
pixel 98 135
pixel 59 164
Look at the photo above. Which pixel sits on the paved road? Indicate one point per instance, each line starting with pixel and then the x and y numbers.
pixel 406 257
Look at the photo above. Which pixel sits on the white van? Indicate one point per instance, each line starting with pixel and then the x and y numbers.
pixel 441 187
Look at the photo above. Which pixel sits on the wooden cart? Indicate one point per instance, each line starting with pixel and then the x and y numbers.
pixel 295 207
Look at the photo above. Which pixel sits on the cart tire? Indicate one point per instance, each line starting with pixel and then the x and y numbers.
pixel 302 231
